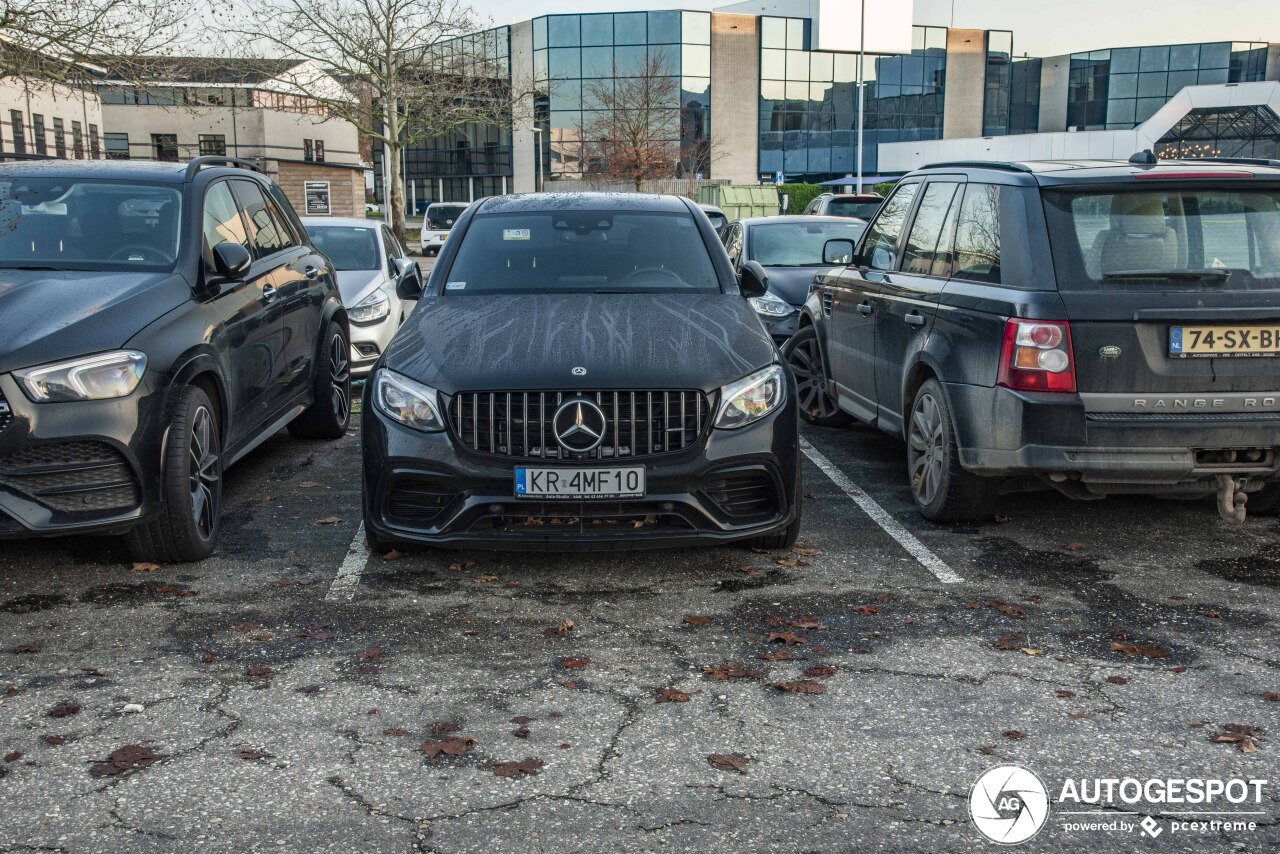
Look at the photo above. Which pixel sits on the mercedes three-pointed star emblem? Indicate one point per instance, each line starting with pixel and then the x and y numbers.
pixel 579 425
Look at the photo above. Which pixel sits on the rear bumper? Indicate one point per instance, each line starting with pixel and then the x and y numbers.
pixel 1004 433
pixel 420 488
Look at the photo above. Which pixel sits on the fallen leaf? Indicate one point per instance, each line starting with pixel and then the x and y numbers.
pixel 393 555
pixel 804 551
pixel 13 757
pixel 449 745
pixel 258 670
pixel 1009 642
pixel 1213 615
pixel 570 684
pixel 729 762
pixel 128 758
pixel 510 585
pixel 672 695
pixel 1029 651
pixel 54 740
pixel 807 622
pixel 249 754
pixel 1016 611
pixel 866 610
pixel 245 627
pixel 395 732
pixel 1034 600
pixel 776 655
pixel 460 565
pixel 1117 680
pixel 1179 669
pixel 1074 547
pixel 1013 734
pixel 789 638
pixel 522 732
pixel 820 671
pixel 373 654
pixel 971 606
pixel 987 749
pixel 1134 649
pixel 573 663
pixel 801 686
pixel 561 630
pixel 27 649
pixel 1002 519
pixel 145 566
pixel 695 620
pixel 564 746
pixel 485 579
pixel 65 710
pixel 1063 694
pixel 1243 736
pixel 1080 716
pixel 329 520
pixel 440 729
pixel 1271 696
pixel 518 769
pixel 722 672
pixel 789 562
pixel 308 460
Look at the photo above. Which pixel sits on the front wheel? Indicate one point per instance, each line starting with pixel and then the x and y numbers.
pixel 330 411
pixel 187 527
pixel 942 489
pixel 803 355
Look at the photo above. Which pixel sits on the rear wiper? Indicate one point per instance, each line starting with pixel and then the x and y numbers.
pixel 1197 275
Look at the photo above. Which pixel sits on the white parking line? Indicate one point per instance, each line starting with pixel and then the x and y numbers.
pixel 881 517
pixel 343 587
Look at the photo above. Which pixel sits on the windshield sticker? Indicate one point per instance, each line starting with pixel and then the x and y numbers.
pixel 515 234
pixel 455 286
pixel 1218 264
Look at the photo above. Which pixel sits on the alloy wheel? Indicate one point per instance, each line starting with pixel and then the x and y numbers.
pixel 340 377
pixel 927 441
pixel 205 472
pixel 805 359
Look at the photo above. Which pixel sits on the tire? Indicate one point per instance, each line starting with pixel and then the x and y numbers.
pixel 330 411
pixel 187 528
pixel 943 491
pixel 1265 502
pixel 803 354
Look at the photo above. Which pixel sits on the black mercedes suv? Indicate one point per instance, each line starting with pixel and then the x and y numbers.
pixel 583 371
pixel 157 322
pixel 1094 327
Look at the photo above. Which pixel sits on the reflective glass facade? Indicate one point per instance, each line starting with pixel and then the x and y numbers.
pixel 999 83
pixel 575 57
pixel 1123 87
pixel 1223 132
pixel 809 100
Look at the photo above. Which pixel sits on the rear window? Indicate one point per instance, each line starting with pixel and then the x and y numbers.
pixel 348 247
pixel 443 216
pixel 581 251
pixel 848 207
pixel 1170 239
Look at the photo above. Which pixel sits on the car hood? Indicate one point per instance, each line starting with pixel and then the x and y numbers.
pixel 50 315
pixel 355 285
pixel 791 284
pixel 469 343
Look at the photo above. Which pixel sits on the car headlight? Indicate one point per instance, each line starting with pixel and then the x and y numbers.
pixel 101 377
pixel 770 306
pixel 375 306
pixel 751 398
pixel 412 404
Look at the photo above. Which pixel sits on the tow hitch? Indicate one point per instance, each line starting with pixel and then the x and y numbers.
pixel 1231 498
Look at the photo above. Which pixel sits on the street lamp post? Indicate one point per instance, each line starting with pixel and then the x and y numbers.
pixel 862 83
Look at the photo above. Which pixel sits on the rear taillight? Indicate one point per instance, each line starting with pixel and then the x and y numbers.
pixel 1036 356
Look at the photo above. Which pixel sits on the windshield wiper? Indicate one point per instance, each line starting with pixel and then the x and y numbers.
pixel 28 267
pixel 1217 273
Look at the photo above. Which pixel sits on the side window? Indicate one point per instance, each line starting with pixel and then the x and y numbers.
pixel 920 253
pixel 733 243
pixel 222 220
pixel 881 241
pixel 812 206
pixel 977 256
pixel 267 230
pixel 392 248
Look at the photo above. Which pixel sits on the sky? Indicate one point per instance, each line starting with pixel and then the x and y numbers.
pixel 1040 28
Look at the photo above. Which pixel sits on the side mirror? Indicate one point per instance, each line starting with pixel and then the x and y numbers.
pixel 837 251
pixel 753 281
pixel 409 279
pixel 231 261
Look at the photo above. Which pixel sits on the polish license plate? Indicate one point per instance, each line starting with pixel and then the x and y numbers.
pixel 580 483
pixel 1198 342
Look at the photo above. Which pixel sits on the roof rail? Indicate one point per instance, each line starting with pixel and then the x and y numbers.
pixel 1239 161
pixel 198 163
pixel 980 164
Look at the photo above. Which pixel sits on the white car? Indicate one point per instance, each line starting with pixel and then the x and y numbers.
pixel 370 264
pixel 437 222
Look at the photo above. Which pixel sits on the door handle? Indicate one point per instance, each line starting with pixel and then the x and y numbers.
pixel 268 293
pixel 915 318
pixel 310 272
pixel 865 309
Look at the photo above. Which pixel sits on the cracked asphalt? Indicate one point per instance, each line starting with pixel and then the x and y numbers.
pixel 288 722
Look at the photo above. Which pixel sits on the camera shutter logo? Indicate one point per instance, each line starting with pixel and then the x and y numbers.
pixel 1009 804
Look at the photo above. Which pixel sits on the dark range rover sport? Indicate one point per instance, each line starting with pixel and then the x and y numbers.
pixel 583 371
pixel 1095 327
pixel 157 322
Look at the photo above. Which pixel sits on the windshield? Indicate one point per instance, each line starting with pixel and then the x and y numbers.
pixel 579 251
pixel 78 224
pixel 1172 239
pixel 798 244
pixel 443 216
pixel 849 207
pixel 348 247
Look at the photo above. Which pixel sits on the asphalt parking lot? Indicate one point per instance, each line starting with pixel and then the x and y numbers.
pixel 294 694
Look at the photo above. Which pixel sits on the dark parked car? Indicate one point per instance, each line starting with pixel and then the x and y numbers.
pixel 1092 327
pixel 582 371
pixel 790 250
pixel 157 322
pixel 859 206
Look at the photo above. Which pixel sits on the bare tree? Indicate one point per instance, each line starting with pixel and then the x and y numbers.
pixel 56 41
pixel 404 57
pixel 636 129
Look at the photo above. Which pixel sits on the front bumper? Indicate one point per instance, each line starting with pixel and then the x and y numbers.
pixel 79 467
pixel 422 488
pixel 1003 433
pixel 369 341
pixel 781 328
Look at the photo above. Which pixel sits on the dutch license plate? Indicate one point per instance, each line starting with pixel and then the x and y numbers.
pixel 1190 342
pixel 580 484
